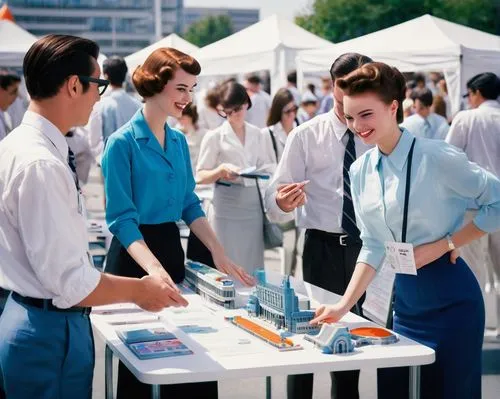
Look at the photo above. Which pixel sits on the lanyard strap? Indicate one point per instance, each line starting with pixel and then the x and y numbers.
pixel 407 191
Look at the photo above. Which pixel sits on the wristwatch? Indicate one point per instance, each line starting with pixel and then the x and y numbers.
pixel 451 246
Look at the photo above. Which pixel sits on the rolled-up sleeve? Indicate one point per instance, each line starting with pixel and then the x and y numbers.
pixel 49 232
pixel 469 180
pixel 121 213
pixel 290 169
pixel 191 209
pixel 372 252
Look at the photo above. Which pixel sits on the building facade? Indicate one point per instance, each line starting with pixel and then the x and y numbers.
pixel 241 18
pixel 280 306
pixel 120 27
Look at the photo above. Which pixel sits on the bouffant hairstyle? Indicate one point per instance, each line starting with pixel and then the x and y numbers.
pixel 233 95
pixel 379 78
pixel 151 77
pixel 281 99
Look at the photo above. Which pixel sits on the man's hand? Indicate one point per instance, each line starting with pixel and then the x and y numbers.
pixel 290 196
pixel 156 294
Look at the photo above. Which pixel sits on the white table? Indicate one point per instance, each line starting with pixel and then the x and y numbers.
pixel 213 362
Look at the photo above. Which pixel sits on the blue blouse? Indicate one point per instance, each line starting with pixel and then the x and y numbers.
pixel 443 182
pixel 144 183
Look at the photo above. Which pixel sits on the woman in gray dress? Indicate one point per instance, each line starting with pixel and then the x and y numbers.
pixel 235 214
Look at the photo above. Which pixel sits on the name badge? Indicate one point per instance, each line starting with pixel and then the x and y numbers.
pixel 400 257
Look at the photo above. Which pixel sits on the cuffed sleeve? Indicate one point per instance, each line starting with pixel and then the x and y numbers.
pixel 191 209
pixel 121 212
pixel 52 234
pixel 290 169
pixel 469 180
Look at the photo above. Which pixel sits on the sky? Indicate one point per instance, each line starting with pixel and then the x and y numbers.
pixel 284 8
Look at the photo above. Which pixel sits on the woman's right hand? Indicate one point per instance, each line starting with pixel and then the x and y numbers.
pixel 227 171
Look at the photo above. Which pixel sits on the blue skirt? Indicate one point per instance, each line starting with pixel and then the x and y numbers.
pixel 442 307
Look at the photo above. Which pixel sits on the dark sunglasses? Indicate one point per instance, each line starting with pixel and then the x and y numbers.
pixel 102 84
pixel 228 112
pixel 289 111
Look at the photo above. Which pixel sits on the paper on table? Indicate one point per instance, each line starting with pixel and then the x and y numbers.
pixel 378 299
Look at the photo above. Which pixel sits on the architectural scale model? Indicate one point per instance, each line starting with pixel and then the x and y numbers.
pixel 272 338
pixel 281 306
pixel 372 336
pixel 332 338
pixel 211 284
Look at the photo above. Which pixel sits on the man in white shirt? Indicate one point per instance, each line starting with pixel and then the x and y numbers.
pixel 9 87
pixel 477 133
pixel 46 344
pixel 320 152
pixel 118 107
pixel 291 84
pixel 261 102
pixel 424 122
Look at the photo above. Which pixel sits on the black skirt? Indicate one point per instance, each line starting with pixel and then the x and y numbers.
pixel 164 241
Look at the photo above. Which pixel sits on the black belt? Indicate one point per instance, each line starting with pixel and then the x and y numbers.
pixel 343 240
pixel 46 304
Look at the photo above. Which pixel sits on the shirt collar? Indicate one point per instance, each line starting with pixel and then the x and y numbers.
pixel 399 155
pixel 490 103
pixel 339 128
pixel 50 131
pixel 141 128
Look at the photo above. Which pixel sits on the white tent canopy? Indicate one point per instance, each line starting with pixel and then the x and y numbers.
pixel 271 44
pixel 14 43
pixel 426 43
pixel 135 59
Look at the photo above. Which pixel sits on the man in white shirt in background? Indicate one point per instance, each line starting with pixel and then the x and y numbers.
pixel 261 101
pixel 118 107
pixel 9 88
pixel 46 344
pixel 320 152
pixel 291 85
pixel 477 133
pixel 425 123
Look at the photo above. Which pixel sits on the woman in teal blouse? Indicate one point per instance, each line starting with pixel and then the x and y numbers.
pixel 441 306
pixel 149 186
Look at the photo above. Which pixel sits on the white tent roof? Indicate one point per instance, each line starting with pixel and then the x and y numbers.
pixel 137 58
pixel 424 43
pixel 270 44
pixel 14 43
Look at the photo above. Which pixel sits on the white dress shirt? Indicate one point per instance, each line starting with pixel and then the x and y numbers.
pixel 477 133
pixel 258 113
pixel 43 240
pixel 5 127
pixel 314 151
pixel 433 127
pixel 222 145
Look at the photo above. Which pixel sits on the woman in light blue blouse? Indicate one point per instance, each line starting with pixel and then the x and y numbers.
pixel 149 186
pixel 442 306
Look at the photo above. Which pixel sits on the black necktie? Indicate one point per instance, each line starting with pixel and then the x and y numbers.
pixel 348 216
pixel 72 166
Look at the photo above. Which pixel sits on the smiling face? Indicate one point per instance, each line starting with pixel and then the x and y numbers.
pixel 177 93
pixel 369 117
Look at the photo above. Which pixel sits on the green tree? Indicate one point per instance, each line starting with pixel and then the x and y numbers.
pixel 209 29
pixel 339 20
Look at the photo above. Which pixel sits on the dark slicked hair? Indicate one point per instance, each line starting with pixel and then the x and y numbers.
pixel 53 59
pixel 487 83
pixel 115 69
pixel 346 63
pixel 423 95
pixel 8 79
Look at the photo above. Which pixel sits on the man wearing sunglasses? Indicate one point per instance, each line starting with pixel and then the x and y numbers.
pixel 46 344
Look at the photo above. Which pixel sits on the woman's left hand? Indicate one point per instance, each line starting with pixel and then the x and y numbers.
pixel 226 265
pixel 428 253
